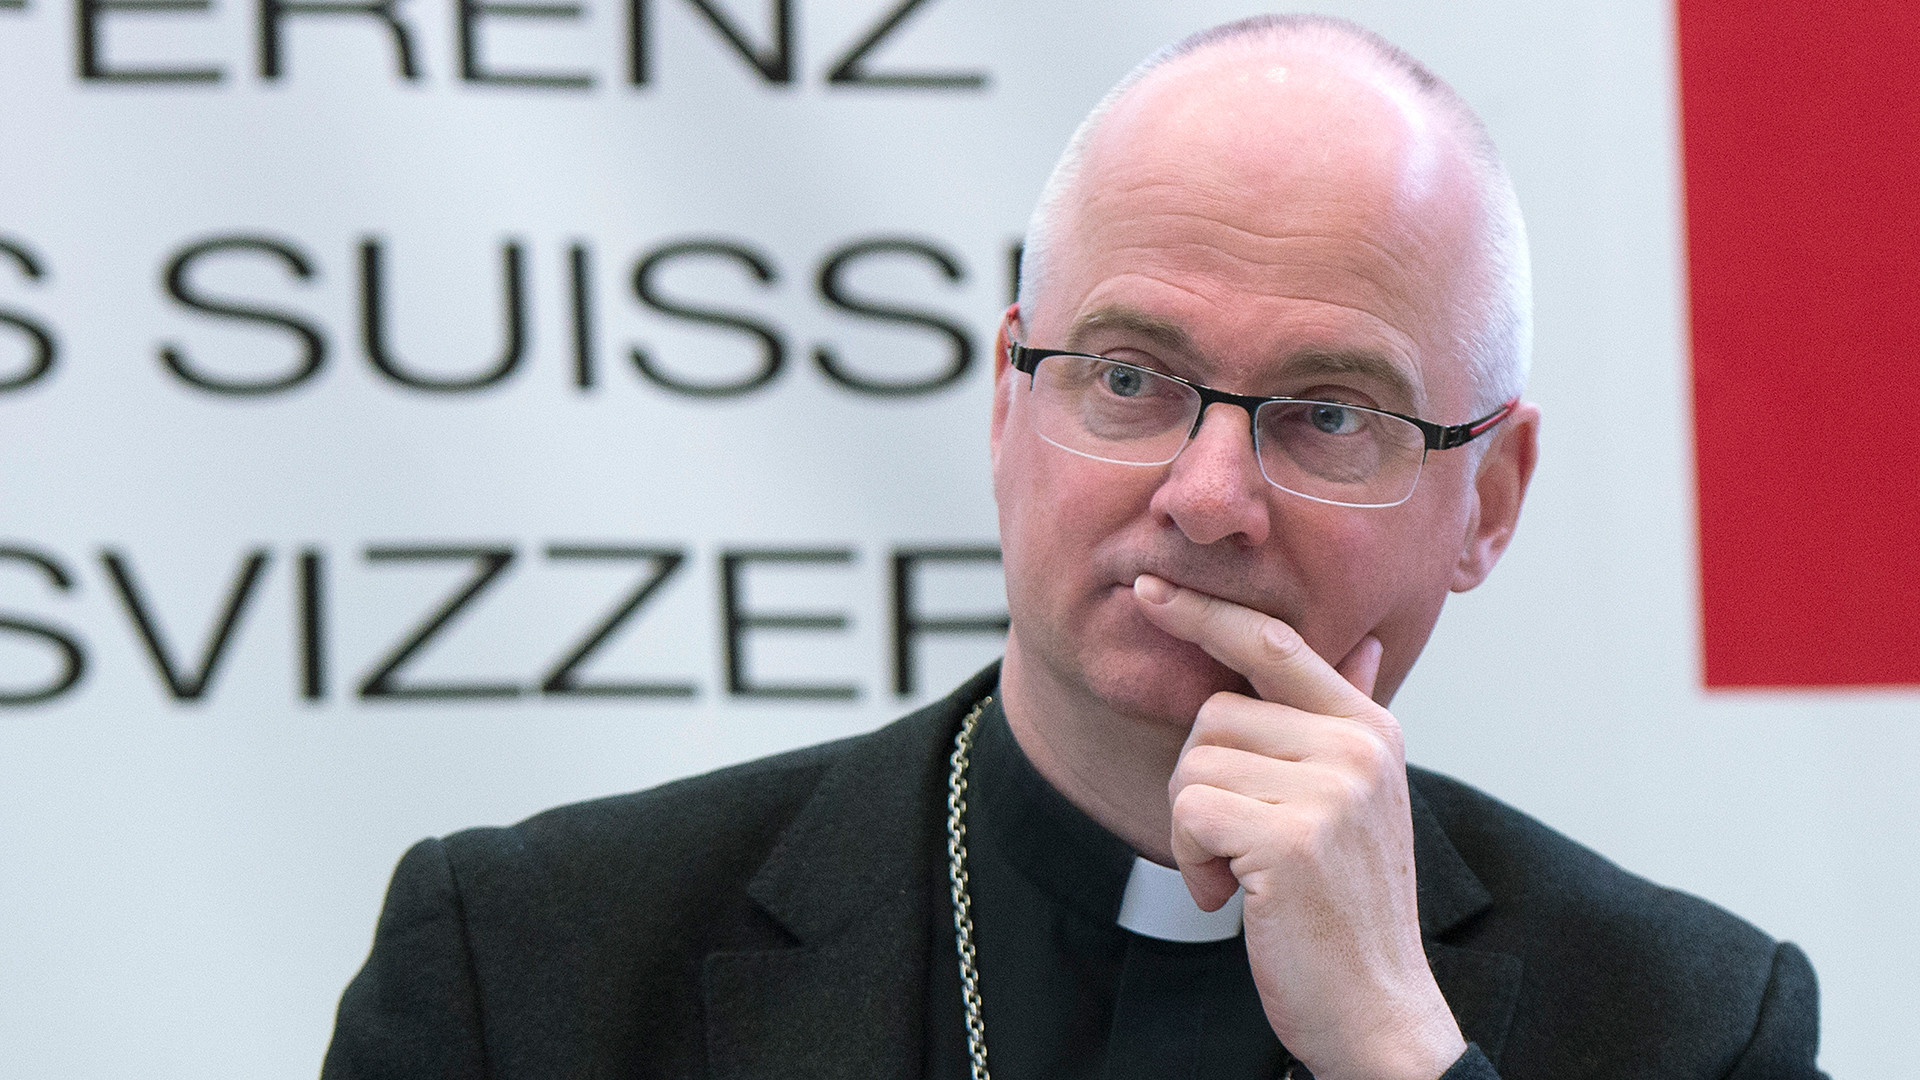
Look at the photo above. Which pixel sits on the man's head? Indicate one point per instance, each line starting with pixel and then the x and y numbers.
pixel 1501 346
pixel 1277 207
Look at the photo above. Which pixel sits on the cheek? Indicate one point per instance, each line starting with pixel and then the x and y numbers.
pixel 1371 572
pixel 1056 510
pixel 1353 566
pixel 1032 516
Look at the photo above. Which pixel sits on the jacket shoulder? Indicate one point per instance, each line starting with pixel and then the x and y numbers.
pixel 708 818
pixel 1541 876
pixel 659 862
pixel 572 943
pixel 1614 966
pixel 683 853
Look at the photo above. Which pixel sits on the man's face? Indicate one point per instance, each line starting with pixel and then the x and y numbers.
pixel 1265 228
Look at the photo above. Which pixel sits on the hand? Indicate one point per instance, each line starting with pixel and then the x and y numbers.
pixel 1299 797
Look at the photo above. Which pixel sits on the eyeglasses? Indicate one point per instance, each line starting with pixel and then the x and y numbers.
pixel 1327 451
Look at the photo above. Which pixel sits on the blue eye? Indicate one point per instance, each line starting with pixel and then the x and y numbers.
pixel 1334 419
pixel 1125 382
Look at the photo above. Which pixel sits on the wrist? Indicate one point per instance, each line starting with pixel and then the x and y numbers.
pixel 1419 1047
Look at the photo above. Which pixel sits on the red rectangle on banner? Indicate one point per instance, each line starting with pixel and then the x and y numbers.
pixel 1802 150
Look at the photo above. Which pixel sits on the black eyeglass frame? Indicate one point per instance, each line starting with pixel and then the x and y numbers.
pixel 1438 436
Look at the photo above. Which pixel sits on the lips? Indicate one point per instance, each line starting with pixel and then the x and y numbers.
pixel 1230 584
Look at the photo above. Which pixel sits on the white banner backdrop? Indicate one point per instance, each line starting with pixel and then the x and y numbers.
pixel 418 416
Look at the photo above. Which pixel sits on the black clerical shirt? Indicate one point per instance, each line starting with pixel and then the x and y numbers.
pixel 1067 993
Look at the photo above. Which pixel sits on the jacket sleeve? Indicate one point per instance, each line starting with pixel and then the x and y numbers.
pixel 1471 1065
pixel 1786 1035
pixel 412 1013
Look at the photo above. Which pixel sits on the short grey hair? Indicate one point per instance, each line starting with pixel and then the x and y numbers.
pixel 1499 344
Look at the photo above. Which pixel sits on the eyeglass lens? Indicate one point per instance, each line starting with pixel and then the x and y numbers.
pixel 1324 450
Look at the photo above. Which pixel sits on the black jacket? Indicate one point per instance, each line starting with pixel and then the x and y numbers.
pixel 770 920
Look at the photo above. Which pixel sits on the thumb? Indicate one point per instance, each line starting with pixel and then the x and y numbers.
pixel 1362 665
pixel 1209 878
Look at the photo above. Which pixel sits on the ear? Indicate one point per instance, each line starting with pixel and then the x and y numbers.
pixel 1500 485
pixel 1002 376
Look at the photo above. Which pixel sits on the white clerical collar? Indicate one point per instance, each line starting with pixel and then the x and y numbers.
pixel 1158 905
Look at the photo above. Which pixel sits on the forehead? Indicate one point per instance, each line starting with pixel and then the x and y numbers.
pixel 1270 210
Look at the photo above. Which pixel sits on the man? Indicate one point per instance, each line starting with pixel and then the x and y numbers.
pixel 1257 413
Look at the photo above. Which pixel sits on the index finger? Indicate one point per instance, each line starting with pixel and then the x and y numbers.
pixel 1269 653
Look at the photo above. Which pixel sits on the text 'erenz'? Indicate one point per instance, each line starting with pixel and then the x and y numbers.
pixel 774 59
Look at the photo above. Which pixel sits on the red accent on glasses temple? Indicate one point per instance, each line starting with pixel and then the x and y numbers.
pixel 1505 411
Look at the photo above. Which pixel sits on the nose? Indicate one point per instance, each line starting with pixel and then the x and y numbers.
pixel 1214 490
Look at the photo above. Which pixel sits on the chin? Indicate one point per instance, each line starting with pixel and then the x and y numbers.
pixel 1167 684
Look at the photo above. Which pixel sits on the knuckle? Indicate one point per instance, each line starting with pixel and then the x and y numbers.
pixel 1377 756
pixel 1183 801
pixel 1199 761
pixel 1204 760
pixel 1197 808
pixel 1216 710
pixel 1347 788
pixel 1190 770
pixel 1282 642
pixel 1223 719
pixel 1351 744
pixel 1300 836
pixel 1356 789
pixel 1366 751
pixel 1387 728
pixel 1187 815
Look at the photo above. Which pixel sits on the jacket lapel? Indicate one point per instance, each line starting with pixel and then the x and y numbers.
pixel 1480 987
pixel 850 880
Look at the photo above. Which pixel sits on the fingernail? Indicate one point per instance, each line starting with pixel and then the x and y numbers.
pixel 1152 589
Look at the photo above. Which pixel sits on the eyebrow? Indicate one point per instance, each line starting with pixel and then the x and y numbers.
pixel 1168 335
pixel 1174 338
pixel 1368 365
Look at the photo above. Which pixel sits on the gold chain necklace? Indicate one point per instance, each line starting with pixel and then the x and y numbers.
pixel 957 879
